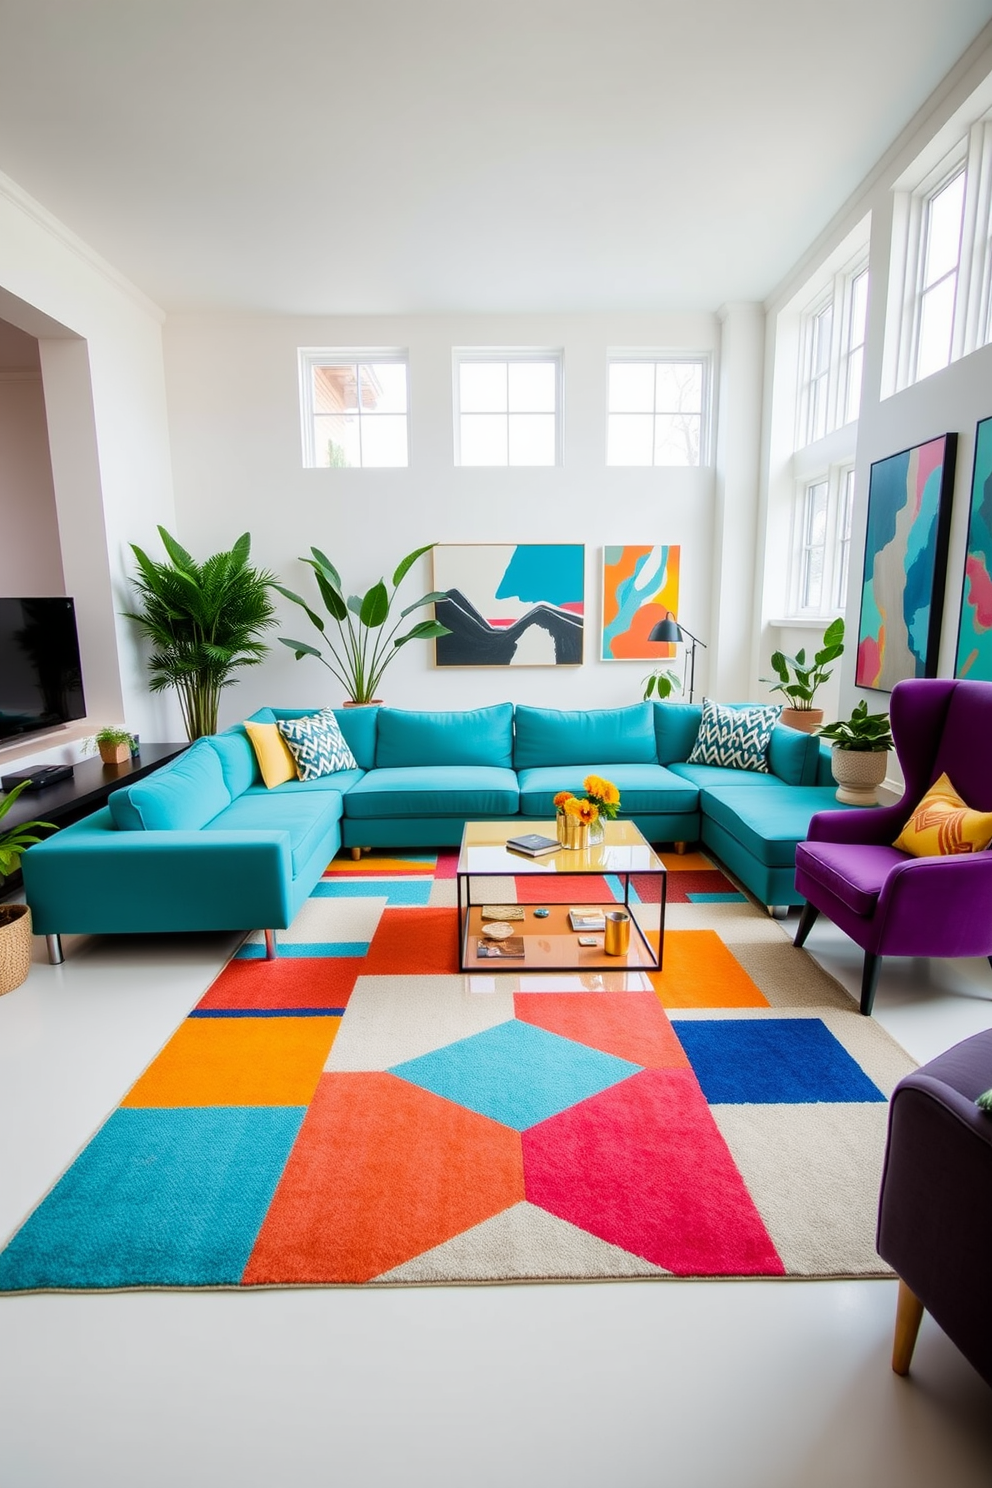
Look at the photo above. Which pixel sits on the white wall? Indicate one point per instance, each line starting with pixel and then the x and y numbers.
pixel 101 360
pixel 236 452
pixel 951 400
pixel 30 553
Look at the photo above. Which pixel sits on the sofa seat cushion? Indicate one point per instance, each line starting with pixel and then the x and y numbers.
pixel 644 789
pixel 479 791
pixel 770 822
pixel 853 873
pixel 547 737
pixel 710 776
pixel 305 818
pixel 477 736
pixel 340 781
pixel 181 797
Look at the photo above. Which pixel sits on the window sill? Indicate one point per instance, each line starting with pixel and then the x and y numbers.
pixel 804 622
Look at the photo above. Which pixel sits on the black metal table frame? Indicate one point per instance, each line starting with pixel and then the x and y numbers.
pixel 465 907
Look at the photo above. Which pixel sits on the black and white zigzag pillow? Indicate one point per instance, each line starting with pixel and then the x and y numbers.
pixel 736 738
pixel 317 744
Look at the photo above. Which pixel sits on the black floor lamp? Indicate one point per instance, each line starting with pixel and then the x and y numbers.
pixel 670 630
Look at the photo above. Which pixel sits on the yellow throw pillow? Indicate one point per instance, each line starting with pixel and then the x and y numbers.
pixel 943 824
pixel 275 759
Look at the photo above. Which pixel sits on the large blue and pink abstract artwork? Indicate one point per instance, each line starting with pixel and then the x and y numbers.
pixel 974 657
pixel 909 511
pixel 510 604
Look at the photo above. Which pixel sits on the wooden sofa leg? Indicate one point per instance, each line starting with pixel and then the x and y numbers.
pixel 909 1314
pixel 356 853
pixel 680 848
pixel 270 945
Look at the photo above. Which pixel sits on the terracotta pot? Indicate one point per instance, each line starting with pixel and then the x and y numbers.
pixel 115 754
pixel 858 773
pixel 15 945
pixel 806 720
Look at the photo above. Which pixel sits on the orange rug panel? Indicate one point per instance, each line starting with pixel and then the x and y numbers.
pixel 699 971
pixel 629 1025
pixel 414 942
pixel 238 1062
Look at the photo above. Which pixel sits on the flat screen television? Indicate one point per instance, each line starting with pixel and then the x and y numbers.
pixel 41 680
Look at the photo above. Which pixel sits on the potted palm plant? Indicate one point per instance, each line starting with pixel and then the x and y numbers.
pixel 364 644
pixel 859 757
pixel 204 621
pixel 15 919
pixel 798 679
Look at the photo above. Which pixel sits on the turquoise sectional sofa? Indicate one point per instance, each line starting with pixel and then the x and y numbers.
pixel 203 845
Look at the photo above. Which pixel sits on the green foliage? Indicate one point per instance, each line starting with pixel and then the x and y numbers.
pixel 798 679
pixel 204 621
pixel 863 732
pixel 362 648
pixel 661 683
pixel 112 734
pixel 16 840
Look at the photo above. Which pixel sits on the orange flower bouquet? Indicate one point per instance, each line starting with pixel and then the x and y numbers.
pixel 580 818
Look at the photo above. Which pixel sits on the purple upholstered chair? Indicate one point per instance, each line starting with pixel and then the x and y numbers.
pixel 935 1209
pixel 888 902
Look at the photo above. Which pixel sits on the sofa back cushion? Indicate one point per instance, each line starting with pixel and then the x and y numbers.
pixel 676 726
pixel 181 797
pixel 358 725
pixel 794 756
pixel 478 736
pixel 597 736
pixel 237 759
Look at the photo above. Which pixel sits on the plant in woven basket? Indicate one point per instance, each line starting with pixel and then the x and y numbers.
pixel 204 621
pixel 858 759
pixel 15 841
pixel 113 743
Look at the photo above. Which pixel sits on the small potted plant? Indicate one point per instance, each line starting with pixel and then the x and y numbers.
pixel 858 760
pixel 114 744
pixel 15 919
pixel 661 683
pixel 798 679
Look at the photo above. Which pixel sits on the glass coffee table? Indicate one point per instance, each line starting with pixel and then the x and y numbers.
pixel 548 941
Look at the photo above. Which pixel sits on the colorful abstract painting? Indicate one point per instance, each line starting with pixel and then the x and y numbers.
pixel 909 512
pixel 975 627
pixel 510 604
pixel 640 587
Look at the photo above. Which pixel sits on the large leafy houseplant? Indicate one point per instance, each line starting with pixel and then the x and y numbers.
pixel 15 841
pixel 798 679
pixel 858 759
pixel 204 621
pixel 364 643
pixel 862 733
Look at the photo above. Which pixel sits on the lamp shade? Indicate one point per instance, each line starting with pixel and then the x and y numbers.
pixel 667 630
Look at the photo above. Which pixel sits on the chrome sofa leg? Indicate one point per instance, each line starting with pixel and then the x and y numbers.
pixel 270 945
pixel 778 911
pixel 54 944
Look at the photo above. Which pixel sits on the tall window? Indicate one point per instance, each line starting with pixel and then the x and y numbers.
pixel 354 406
pixel 939 267
pixel 941 278
pixel 823 542
pixel 507 407
pixel 832 355
pixel 656 410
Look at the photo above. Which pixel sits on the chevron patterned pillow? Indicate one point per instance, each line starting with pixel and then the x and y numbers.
pixel 317 744
pixel 736 738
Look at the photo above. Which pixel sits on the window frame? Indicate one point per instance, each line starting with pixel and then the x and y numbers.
pixel 507 354
pixel 311 357
pixel 838 296
pixel 658 356
pixel 838 478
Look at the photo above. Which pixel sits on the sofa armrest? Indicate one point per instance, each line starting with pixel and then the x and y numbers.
pixel 874 824
pixel 101 881
pixel 954 892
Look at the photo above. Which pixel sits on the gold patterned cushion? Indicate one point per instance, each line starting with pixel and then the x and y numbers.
pixel 275 760
pixel 943 824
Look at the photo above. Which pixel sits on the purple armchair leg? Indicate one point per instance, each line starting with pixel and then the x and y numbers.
pixel 806 922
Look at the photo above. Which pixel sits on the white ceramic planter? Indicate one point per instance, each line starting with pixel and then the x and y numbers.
pixel 858 774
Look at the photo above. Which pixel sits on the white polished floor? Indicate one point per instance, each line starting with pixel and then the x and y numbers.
pixel 619 1385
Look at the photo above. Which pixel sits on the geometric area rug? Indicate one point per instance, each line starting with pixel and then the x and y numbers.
pixel 358 1112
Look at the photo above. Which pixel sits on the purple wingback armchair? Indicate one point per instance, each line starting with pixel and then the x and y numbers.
pixel 935 1209
pixel 888 902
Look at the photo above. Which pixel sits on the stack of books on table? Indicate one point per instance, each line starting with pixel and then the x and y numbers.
pixel 534 844
pixel 587 920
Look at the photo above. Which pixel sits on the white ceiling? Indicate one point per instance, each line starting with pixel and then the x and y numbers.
pixel 383 156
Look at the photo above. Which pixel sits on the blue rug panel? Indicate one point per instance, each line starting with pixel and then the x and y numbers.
pixel 772 1061
pixel 158 1198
